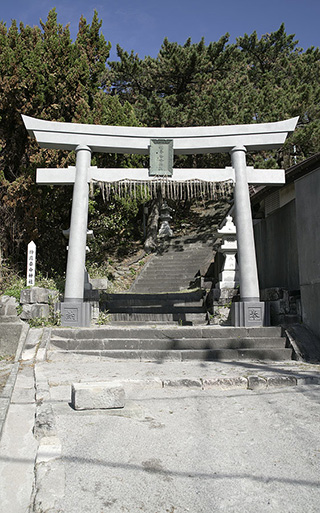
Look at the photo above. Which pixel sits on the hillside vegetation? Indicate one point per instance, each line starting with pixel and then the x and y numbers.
pixel 43 73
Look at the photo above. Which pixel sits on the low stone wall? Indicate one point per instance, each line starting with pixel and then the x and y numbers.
pixel 285 306
pixel 10 326
pixel 36 302
pixel 218 303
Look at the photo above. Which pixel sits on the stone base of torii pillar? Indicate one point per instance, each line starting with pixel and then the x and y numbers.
pixel 250 314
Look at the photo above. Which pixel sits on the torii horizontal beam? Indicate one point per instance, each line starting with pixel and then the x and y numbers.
pixel 54 176
pixel 186 140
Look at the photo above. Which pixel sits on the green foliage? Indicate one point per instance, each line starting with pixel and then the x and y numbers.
pixel 14 284
pixel 14 289
pixel 103 318
pixel 116 224
pixel 256 80
pixel 54 319
pixel 43 73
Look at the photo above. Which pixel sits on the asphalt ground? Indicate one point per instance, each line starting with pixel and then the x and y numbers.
pixel 191 437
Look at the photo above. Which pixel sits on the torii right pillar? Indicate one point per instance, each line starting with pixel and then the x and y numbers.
pixel 249 311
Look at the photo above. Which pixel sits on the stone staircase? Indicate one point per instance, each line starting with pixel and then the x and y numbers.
pixel 176 266
pixel 163 317
pixel 160 293
pixel 159 343
pixel 182 308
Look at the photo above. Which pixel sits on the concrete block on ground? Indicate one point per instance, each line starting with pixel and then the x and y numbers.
pixel 92 396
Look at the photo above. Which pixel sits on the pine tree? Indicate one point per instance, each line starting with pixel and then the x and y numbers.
pixel 44 74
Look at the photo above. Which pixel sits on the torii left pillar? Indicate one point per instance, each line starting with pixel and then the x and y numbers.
pixel 74 310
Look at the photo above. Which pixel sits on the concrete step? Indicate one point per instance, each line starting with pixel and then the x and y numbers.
pixel 183 319
pixel 172 270
pixel 157 288
pixel 201 355
pixel 174 342
pixel 168 332
pixel 167 345
pixel 130 298
pixel 152 301
pixel 155 309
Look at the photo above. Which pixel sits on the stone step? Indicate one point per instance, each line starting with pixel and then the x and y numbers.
pixel 167 345
pixel 152 301
pixel 183 319
pixel 193 295
pixel 170 332
pixel 155 309
pixel 174 342
pixel 172 269
pixel 195 256
pixel 156 287
pixel 165 277
pixel 148 303
pixel 161 281
pixel 201 355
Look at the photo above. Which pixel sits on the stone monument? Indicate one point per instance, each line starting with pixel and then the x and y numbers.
pixel 229 277
pixel 165 231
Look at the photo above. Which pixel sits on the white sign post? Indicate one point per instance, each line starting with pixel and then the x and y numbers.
pixel 31 264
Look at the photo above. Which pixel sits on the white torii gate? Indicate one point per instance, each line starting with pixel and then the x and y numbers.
pixel 233 139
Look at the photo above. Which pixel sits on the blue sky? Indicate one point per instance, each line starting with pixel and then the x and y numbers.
pixel 141 25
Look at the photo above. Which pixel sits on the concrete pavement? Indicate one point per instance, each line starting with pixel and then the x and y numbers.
pixel 191 437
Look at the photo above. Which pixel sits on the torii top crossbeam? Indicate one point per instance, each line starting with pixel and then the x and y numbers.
pixel 186 140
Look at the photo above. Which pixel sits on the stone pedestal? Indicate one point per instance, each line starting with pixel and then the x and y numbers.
pixel 250 314
pixel 75 314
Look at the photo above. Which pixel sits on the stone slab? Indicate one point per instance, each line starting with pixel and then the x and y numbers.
pixel 256 382
pixel 8 307
pixel 9 338
pixel 281 381
pixel 225 383
pixel 92 396
pixel 34 295
pixel 183 382
pixel 34 310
